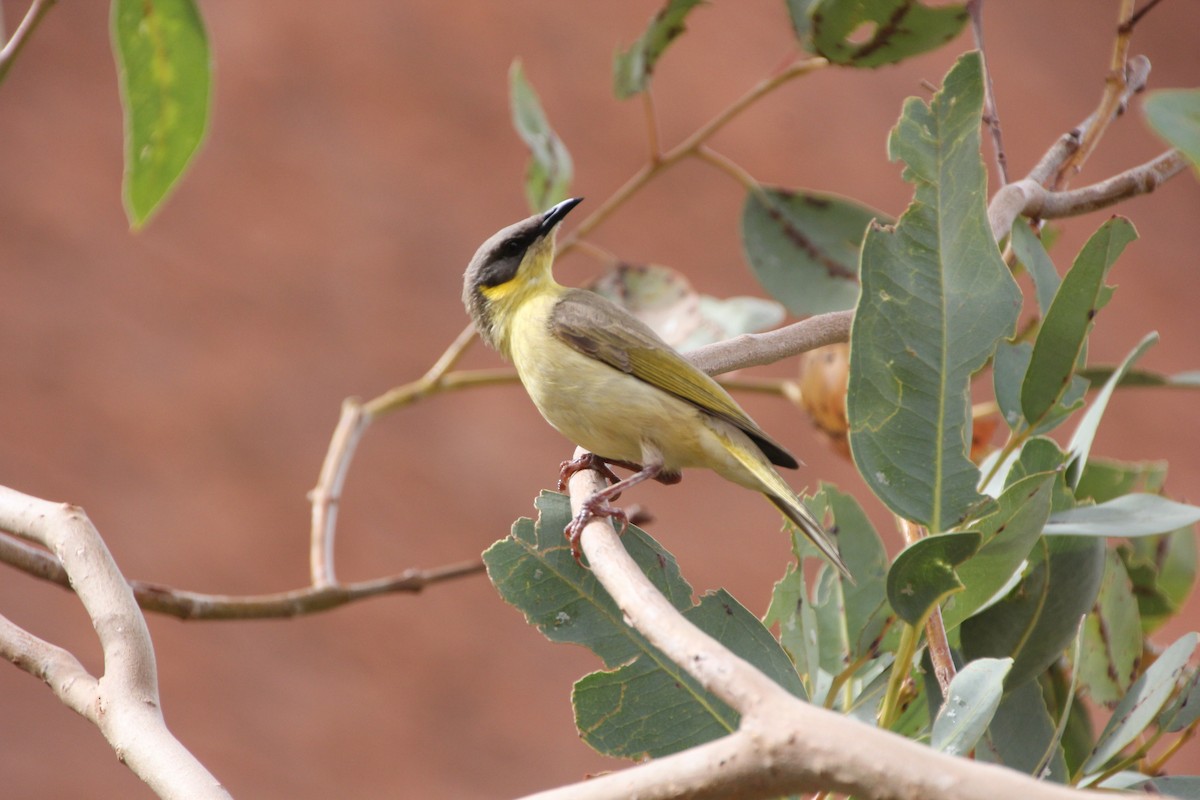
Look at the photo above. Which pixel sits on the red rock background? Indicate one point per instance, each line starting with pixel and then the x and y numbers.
pixel 182 383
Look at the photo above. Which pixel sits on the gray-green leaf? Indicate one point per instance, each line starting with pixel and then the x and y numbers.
pixel 550 170
pixel 971 702
pixel 1175 114
pixel 632 68
pixel 936 298
pixel 1133 514
pixel 895 30
pixel 804 246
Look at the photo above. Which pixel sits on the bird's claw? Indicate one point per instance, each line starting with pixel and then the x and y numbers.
pixel 592 508
pixel 567 470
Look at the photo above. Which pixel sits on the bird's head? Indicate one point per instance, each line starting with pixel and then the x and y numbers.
pixel 509 266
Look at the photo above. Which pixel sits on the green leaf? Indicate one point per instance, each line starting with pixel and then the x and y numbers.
pixel 550 170
pixel 1021 733
pixel 1072 740
pixel 870 33
pixel 1009 533
pixel 1175 114
pixel 1163 570
pixel 1130 515
pixel 533 569
pixel 1008 373
pixel 936 298
pixel 1112 637
pixel 803 247
pixel 864 607
pixel 971 701
pixel 165 73
pixel 1067 323
pixel 1032 253
pixel 1039 617
pixel 1104 479
pixel 923 574
pixel 787 599
pixel 1142 703
pixel 632 69
pixel 1183 787
pixel 651 708
pixel 1081 442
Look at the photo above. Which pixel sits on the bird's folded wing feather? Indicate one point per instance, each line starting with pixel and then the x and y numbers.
pixel 608 333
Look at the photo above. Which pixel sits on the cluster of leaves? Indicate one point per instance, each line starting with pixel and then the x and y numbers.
pixel 1039 611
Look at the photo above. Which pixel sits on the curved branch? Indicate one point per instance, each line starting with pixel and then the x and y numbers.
pixel 123 703
pixel 20 37
pixel 782 745
pixel 757 349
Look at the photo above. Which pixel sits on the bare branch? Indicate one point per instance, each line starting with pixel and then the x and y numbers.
pixel 14 46
pixel 783 745
pixel 757 349
pixel 124 703
pixel 1029 198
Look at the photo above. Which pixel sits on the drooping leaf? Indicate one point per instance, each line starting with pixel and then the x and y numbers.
pixel 649 708
pixel 1097 375
pixel 971 701
pixel 633 67
pixel 1142 703
pixel 165 73
pixel 936 298
pixel 550 170
pixel 533 569
pixel 1175 114
pixel 664 299
pixel 1009 533
pixel 1112 637
pixel 1129 515
pixel 1081 442
pixel 1032 253
pixel 923 574
pixel 1163 571
pixel 803 246
pixel 1021 733
pixel 1069 319
pixel 1039 617
pixel 869 34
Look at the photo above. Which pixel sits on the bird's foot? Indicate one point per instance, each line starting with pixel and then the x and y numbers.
pixel 567 469
pixel 595 507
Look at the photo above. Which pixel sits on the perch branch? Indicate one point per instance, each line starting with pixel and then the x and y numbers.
pixel 782 745
pixel 123 703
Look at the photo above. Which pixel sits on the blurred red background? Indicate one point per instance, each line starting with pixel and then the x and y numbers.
pixel 182 383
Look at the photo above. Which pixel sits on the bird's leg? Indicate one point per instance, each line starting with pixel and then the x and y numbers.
pixel 598 505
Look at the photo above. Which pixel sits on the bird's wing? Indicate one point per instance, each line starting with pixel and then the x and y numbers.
pixel 629 345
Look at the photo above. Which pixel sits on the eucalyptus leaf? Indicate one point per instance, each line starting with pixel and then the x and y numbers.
pixel 1135 378
pixel 1021 733
pixel 971 701
pixel 1163 571
pixel 1129 515
pixel 922 576
pixel 1081 442
pixel 864 607
pixel 1040 616
pixel 803 247
pixel 164 69
pixel 1143 702
pixel 1185 709
pixel 550 170
pixel 869 34
pixel 936 299
pixel 1175 115
pixel 1069 319
pixel 633 67
pixel 1032 253
pixel 1112 637
pixel 798 13
pixel 1183 787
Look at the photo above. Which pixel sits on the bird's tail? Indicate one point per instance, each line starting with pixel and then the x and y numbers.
pixel 778 492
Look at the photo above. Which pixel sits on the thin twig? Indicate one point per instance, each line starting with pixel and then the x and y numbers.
pixel 730 168
pixel 14 46
pixel 652 136
pixel 991 114
pixel 1110 101
pixel 686 148
pixel 1141 12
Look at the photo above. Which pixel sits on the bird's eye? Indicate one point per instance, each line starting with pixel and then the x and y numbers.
pixel 511 247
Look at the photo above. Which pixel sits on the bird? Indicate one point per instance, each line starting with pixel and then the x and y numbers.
pixel 611 385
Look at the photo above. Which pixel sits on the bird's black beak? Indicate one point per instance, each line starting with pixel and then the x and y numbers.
pixel 556 214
